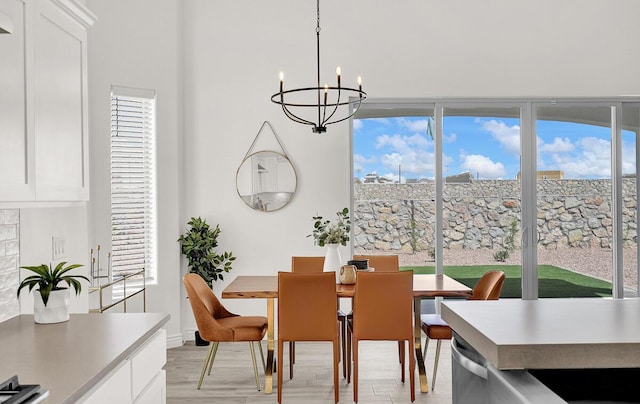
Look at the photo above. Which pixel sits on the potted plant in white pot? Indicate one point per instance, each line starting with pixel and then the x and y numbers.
pixel 332 235
pixel 51 304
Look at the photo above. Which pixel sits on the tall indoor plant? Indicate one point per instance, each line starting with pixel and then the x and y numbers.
pixel 51 303
pixel 198 245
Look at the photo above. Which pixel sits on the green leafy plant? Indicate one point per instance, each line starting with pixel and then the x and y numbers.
pixel 325 232
pixel 198 245
pixel 48 279
pixel 509 243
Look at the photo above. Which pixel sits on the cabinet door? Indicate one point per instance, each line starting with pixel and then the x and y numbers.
pixel 16 144
pixel 60 105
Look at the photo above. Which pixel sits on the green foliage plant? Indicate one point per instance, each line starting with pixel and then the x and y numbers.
pixel 198 245
pixel 325 232
pixel 48 279
pixel 509 242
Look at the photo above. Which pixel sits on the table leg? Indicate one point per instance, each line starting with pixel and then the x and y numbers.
pixel 417 332
pixel 268 372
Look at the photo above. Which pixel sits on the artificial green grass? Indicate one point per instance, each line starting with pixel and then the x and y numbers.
pixel 552 281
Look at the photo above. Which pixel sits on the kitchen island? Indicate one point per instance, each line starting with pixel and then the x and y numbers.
pixel 546 350
pixel 109 357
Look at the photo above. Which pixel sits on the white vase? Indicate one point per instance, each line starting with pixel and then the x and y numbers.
pixel 56 310
pixel 332 260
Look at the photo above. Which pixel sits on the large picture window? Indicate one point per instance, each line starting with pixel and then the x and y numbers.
pixel 546 189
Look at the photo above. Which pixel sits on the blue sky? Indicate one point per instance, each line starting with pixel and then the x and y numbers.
pixel 487 147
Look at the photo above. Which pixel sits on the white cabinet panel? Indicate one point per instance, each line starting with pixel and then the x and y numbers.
pixel 114 388
pixel 60 82
pixel 16 144
pixel 156 391
pixel 148 361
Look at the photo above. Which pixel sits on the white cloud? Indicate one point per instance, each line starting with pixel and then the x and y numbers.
pixel 557 146
pixel 415 125
pixel 507 136
pixel 449 138
pixel 359 161
pixel 409 152
pixel 592 159
pixel 357 124
pixel 483 166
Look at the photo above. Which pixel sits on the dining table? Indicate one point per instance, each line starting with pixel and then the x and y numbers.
pixel 266 287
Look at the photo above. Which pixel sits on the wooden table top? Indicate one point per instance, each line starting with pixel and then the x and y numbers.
pixel 266 286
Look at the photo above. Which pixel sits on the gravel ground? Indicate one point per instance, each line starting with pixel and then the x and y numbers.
pixel 595 263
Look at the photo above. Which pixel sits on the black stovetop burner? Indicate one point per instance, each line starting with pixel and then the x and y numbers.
pixel 12 392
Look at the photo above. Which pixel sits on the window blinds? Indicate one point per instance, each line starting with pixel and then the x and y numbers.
pixel 133 182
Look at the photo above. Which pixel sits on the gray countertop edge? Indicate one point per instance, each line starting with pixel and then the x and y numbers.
pixel 119 359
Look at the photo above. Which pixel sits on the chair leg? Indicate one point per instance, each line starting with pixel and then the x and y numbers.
pixel 412 372
pixel 215 350
pixel 292 358
pixel 435 365
pixel 401 349
pixel 264 365
pixel 207 359
pixel 349 353
pixel 426 344
pixel 343 344
pixel 255 365
pixel 336 358
pixel 280 347
pixel 355 370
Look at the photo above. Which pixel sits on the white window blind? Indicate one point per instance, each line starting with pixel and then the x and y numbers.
pixel 133 182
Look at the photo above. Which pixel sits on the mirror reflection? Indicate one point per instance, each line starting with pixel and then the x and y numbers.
pixel 266 181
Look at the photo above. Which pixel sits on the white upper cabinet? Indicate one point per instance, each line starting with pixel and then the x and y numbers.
pixel 16 151
pixel 44 142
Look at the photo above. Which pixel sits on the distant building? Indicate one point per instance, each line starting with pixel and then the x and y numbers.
pixel 547 175
pixel 461 178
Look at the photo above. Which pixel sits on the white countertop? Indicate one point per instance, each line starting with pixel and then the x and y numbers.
pixel 550 333
pixel 69 358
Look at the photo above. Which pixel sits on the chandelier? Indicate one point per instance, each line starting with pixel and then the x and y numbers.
pixel 321 100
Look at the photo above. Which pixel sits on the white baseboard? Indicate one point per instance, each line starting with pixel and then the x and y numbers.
pixel 174 341
pixel 189 334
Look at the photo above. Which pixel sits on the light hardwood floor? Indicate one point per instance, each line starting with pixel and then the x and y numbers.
pixel 232 380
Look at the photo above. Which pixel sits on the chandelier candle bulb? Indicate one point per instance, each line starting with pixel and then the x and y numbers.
pixel 360 84
pixel 338 72
pixel 326 90
pixel 281 81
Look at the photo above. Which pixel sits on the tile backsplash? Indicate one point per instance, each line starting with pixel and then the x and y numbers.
pixel 9 262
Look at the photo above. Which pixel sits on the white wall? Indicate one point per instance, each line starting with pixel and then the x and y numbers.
pixel 136 44
pixel 37 227
pixel 231 54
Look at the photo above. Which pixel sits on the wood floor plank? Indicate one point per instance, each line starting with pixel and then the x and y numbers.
pixel 232 380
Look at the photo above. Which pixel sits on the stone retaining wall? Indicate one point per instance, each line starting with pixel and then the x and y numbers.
pixel 480 214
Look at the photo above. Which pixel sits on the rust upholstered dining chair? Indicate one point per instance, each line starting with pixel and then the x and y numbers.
pixel 315 264
pixel 384 263
pixel 307 308
pixel 383 310
pixel 216 324
pixel 488 288
pixel 381 263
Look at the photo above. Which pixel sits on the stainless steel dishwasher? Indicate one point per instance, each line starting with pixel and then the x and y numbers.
pixel 477 381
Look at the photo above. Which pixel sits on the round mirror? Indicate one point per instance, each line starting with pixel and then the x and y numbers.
pixel 266 181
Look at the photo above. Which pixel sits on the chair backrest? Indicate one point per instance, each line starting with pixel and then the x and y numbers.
pixel 383 305
pixel 206 309
pixel 489 286
pixel 307 306
pixel 307 264
pixel 381 263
